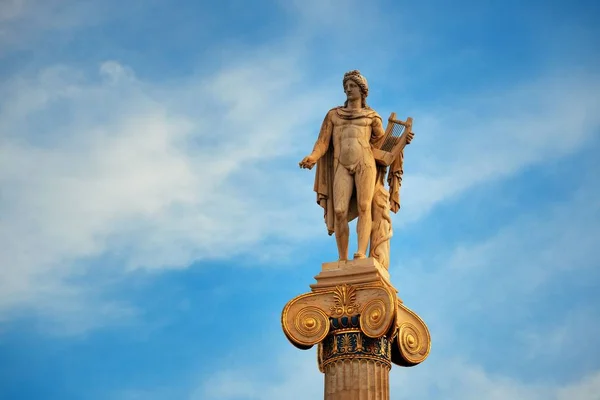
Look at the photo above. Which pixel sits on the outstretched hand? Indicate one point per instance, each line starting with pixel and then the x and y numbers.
pixel 308 162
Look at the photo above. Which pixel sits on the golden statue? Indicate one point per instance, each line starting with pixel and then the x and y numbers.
pixel 352 154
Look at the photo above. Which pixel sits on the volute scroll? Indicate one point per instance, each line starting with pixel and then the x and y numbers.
pixel 412 341
pixel 305 321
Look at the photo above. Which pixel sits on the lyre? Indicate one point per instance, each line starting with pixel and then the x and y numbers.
pixel 393 141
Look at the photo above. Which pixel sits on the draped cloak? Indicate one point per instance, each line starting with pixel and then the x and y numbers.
pixel 326 165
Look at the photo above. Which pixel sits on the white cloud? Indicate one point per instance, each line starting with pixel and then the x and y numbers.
pixel 90 167
pixel 163 174
pixel 294 375
pixel 587 388
pixel 491 136
pixel 456 379
pixel 511 288
pixel 525 255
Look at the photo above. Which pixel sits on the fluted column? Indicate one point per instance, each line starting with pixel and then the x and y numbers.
pixel 357 379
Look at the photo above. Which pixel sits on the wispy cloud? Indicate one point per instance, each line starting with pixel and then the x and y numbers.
pixel 162 174
pixel 297 377
pixel 522 257
pixel 493 135
pixel 522 273
pixel 455 379
pixel 293 376
pixel 110 164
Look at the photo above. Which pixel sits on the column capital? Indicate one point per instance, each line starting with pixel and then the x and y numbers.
pixel 356 299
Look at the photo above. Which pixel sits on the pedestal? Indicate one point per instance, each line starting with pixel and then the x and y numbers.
pixel 361 327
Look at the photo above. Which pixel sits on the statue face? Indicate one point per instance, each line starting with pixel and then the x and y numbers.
pixel 352 90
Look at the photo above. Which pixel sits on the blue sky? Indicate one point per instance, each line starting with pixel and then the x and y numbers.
pixel 154 220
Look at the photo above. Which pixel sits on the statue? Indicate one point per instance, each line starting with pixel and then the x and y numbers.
pixel 352 154
pixel 353 313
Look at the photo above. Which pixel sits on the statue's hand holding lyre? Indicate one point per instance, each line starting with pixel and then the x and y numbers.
pixel 308 162
pixel 409 137
pixel 397 135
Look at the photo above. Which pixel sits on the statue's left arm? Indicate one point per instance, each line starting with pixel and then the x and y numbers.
pixel 377 131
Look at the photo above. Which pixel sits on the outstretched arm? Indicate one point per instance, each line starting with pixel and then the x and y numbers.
pixel 321 146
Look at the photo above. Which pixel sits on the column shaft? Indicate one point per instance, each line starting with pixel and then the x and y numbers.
pixel 357 379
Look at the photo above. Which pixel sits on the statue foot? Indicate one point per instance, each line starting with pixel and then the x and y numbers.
pixel 358 256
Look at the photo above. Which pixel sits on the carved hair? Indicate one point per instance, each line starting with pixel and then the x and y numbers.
pixel 361 81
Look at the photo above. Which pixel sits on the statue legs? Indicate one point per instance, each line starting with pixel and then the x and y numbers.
pixel 365 186
pixel 343 186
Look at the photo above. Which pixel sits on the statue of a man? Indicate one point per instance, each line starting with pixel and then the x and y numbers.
pixel 346 170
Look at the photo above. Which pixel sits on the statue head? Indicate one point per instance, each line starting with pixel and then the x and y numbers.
pixel 360 81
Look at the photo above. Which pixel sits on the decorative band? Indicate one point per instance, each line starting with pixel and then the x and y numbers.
pixel 355 345
pixel 361 357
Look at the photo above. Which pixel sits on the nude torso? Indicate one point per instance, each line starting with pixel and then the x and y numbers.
pixel 351 142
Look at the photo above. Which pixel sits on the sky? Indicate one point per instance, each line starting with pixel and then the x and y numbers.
pixel 154 220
